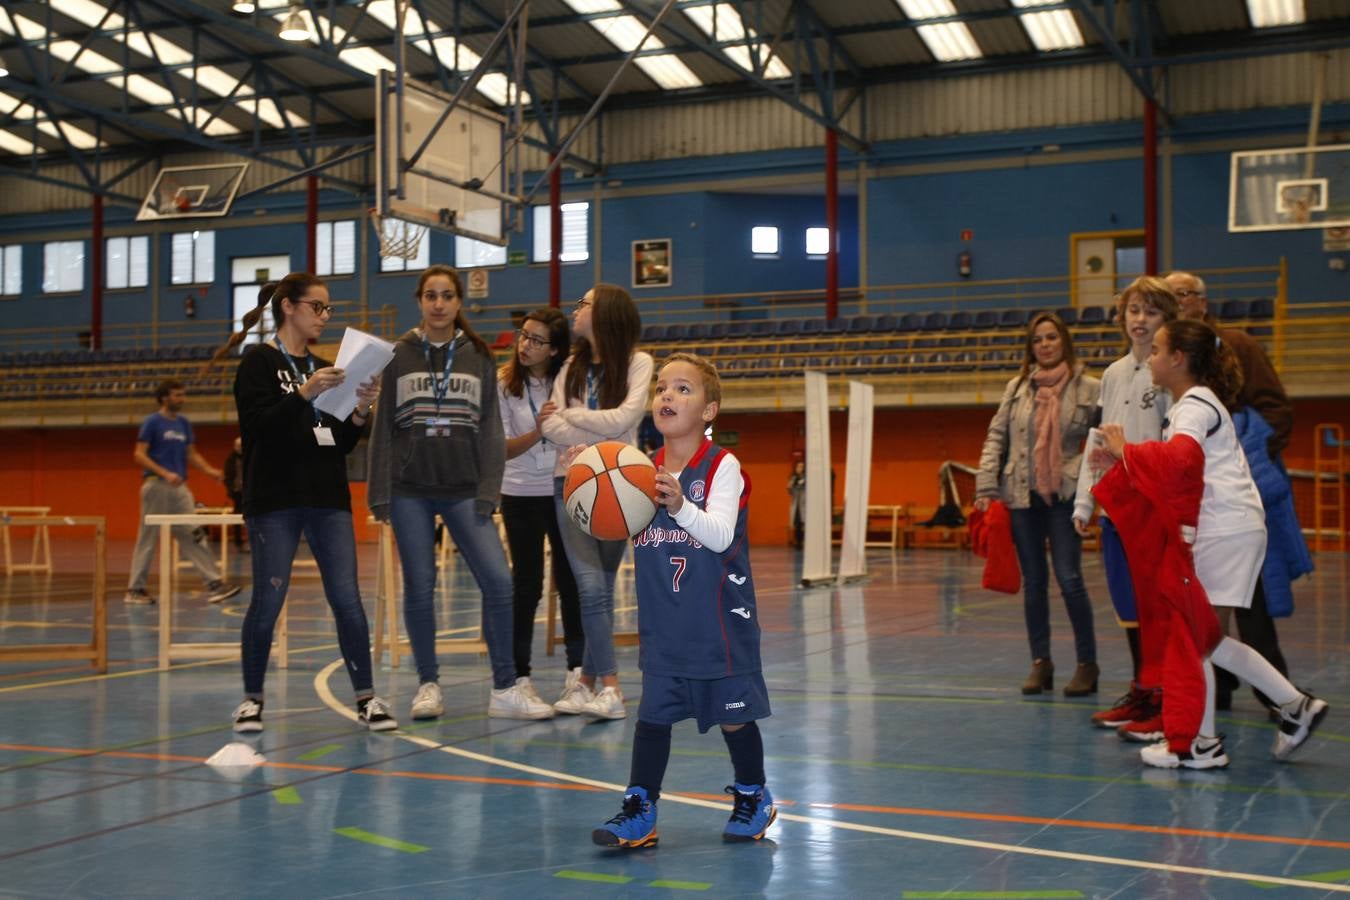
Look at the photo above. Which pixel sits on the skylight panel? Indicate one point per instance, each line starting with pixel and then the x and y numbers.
pixel 1273 13
pixel 624 32
pixel 947 41
pixel 215 80
pixel 723 24
pixel 363 58
pixel 1050 30
pixel 76 137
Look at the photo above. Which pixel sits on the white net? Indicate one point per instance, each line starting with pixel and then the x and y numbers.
pixel 398 238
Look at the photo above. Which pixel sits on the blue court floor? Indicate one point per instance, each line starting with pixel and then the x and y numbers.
pixel 906 762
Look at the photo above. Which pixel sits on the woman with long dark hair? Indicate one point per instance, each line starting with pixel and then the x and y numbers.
pixel 436 449
pixel 295 483
pixel 1031 457
pixel 600 394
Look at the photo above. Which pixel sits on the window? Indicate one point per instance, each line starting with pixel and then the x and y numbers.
pixel 397 229
pixel 193 258
pixel 576 234
pixel 817 241
pixel 11 270
pixel 62 266
pixel 471 254
pixel 336 248
pixel 764 240
pixel 128 262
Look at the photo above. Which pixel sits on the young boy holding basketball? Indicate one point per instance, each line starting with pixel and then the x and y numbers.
pixel 699 629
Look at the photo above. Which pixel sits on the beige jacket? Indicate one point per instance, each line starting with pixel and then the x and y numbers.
pixel 1011 428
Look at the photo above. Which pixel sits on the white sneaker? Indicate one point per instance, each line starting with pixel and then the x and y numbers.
pixel 1205 753
pixel 526 685
pixel 516 703
pixel 608 704
pixel 248 717
pixel 575 695
pixel 1298 719
pixel 427 704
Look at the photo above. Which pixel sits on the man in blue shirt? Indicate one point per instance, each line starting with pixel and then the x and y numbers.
pixel 164 448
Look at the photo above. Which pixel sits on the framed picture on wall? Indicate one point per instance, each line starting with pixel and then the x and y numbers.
pixel 652 263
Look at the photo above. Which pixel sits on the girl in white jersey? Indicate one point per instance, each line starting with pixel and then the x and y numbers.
pixel 1229 540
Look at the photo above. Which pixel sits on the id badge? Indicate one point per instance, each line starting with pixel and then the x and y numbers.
pixel 324 436
pixel 438 427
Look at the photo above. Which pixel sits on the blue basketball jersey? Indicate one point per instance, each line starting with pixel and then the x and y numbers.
pixel 696 608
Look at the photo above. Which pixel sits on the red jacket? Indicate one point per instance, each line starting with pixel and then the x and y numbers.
pixel 991 539
pixel 1149 499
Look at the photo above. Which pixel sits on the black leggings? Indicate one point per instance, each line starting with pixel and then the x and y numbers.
pixel 528 520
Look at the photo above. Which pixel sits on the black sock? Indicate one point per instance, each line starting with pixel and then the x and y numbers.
pixel 1132 636
pixel 651 753
pixel 747 753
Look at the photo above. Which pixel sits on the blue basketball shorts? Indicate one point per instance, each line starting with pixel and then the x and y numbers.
pixel 1118 580
pixel 733 700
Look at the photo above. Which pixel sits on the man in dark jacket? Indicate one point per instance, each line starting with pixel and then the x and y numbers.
pixel 1262 391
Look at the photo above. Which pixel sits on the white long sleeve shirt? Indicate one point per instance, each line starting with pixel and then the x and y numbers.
pixel 574 423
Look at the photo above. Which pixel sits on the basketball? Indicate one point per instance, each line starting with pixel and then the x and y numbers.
pixel 609 489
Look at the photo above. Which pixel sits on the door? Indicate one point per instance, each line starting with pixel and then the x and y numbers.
pixel 1103 262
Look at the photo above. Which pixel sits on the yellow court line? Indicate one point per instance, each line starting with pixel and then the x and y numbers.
pixel 327 697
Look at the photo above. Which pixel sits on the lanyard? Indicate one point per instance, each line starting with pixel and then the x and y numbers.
pixel 309 360
pixel 534 410
pixel 441 387
pixel 593 388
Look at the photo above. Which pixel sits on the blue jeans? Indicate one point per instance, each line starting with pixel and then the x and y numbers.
pixel 595 565
pixel 274 538
pixel 414 521
pixel 1031 527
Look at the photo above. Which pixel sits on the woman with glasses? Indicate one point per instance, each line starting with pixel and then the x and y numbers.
pixel 295 482
pixel 600 394
pixel 436 449
pixel 524 385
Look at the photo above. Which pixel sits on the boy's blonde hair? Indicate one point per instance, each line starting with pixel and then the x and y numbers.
pixel 1151 290
pixel 712 382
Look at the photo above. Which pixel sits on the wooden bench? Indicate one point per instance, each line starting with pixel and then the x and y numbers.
pixel 41 558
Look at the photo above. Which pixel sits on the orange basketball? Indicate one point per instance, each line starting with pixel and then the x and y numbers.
pixel 609 489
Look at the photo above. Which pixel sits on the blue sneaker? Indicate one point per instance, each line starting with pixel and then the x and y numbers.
pixel 752 814
pixel 634 826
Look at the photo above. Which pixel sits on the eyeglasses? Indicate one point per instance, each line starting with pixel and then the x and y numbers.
pixel 321 309
pixel 537 343
pixel 583 303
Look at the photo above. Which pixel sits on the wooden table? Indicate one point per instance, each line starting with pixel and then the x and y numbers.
pixel 41 559
pixel 96 650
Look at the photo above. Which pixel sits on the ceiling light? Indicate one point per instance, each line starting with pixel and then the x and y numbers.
pixel 294 28
pixel 243 7
pixel 1274 13
pixel 3 71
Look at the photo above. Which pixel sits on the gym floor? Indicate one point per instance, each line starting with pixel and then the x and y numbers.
pixel 905 761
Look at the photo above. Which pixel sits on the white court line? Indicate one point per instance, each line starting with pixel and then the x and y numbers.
pixel 327 697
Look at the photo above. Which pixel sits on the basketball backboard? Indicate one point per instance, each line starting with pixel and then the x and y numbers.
pixel 457 183
pixel 192 192
pixel 1282 190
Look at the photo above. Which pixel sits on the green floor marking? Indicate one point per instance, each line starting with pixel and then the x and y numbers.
pixel 319 752
pixel 287 796
pixel 991 895
pixel 1323 877
pixel 592 876
pixel 366 837
pixel 682 885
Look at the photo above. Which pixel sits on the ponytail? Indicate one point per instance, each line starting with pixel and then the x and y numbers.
pixel 1208 357
pixel 292 288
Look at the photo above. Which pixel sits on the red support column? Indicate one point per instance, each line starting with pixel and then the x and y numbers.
pixel 555 235
pixel 312 223
pixel 96 278
pixel 1150 187
pixel 832 223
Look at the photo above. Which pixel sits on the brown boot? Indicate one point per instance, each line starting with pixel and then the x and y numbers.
pixel 1041 678
pixel 1084 681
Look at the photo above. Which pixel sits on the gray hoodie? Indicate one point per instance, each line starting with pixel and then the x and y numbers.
pixel 450 454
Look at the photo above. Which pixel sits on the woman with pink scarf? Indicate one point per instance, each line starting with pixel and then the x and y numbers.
pixel 1030 461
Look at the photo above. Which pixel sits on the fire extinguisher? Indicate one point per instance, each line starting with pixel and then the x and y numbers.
pixel 190 307
pixel 963 264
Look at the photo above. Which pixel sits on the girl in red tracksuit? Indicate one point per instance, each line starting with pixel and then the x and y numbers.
pixel 1205 560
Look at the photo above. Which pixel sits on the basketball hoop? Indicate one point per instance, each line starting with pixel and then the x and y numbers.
pixel 399 239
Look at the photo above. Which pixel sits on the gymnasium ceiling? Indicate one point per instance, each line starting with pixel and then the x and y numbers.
pixel 126 78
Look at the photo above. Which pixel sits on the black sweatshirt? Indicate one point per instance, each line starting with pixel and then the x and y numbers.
pixel 284 465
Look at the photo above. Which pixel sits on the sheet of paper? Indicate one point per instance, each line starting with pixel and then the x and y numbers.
pixel 362 356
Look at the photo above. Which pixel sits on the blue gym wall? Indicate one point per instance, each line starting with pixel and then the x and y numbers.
pixel 1020 199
